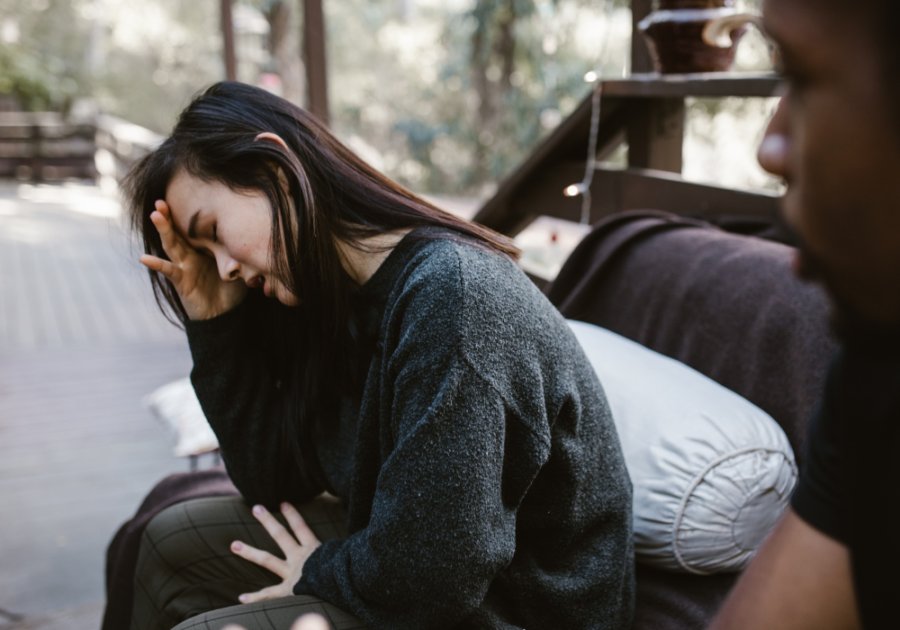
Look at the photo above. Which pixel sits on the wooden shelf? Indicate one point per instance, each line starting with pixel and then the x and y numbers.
pixel 654 85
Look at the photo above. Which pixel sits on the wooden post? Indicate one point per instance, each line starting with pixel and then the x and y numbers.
pixel 656 133
pixel 656 126
pixel 314 58
pixel 640 54
pixel 228 41
pixel 37 161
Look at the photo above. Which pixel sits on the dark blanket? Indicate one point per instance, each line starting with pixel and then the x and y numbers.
pixel 724 304
pixel 122 554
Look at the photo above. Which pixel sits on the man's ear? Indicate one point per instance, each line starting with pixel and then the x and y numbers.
pixel 272 137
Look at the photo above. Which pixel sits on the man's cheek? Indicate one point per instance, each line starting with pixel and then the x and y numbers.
pixel 815 193
pixel 797 209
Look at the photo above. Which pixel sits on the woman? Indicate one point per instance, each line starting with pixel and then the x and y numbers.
pixel 349 337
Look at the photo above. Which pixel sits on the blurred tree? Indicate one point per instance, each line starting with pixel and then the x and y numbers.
pixel 284 44
pixel 24 83
pixel 493 60
pixel 452 95
pixel 36 65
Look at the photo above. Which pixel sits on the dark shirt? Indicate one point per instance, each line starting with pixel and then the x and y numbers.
pixel 484 478
pixel 849 488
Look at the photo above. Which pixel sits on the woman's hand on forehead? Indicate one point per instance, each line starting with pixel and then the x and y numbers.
pixel 195 276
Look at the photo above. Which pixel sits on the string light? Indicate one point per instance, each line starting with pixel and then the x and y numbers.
pixel 574 190
pixel 584 188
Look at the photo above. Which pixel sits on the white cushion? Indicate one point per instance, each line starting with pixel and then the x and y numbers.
pixel 712 473
pixel 177 407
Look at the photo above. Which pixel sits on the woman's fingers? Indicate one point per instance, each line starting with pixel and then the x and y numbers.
pixel 271 592
pixel 163 208
pixel 311 621
pixel 166 233
pixel 304 534
pixel 291 568
pixel 164 267
pixel 263 558
pixel 281 536
pixel 172 242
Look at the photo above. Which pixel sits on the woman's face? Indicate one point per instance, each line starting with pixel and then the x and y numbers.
pixel 235 229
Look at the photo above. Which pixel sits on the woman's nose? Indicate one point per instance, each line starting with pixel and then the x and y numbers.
pixel 775 150
pixel 229 268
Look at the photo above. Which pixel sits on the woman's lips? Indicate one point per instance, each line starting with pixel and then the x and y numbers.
pixel 260 281
pixel 256 282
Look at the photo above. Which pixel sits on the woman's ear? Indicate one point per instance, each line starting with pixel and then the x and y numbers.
pixel 272 137
pixel 268 136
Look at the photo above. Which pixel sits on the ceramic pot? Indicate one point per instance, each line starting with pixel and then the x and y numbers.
pixel 686 36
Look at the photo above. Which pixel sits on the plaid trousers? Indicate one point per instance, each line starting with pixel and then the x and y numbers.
pixel 188 577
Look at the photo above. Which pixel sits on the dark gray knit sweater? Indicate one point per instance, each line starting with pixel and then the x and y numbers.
pixel 485 482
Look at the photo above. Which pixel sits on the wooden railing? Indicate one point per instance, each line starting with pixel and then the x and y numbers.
pixel 121 143
pixel 42 146
pixel 632 109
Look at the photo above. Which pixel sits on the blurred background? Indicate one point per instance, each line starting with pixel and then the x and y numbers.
pixel 445 96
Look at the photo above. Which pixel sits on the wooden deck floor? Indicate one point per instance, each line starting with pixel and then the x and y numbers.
pixel 81 343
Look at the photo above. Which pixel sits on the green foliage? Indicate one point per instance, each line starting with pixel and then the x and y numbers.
pixel 38 70
pixel 22 78
pixel 141 61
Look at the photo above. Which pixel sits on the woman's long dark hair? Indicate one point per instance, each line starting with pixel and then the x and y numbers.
pixel 330 195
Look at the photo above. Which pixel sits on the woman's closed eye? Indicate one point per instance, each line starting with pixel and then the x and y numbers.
pixel 215 233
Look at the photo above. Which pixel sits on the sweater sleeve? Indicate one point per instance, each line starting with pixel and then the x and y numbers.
pixel 242 402
pixel 443 520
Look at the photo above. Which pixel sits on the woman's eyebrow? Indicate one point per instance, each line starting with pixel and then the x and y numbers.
pixel 192 226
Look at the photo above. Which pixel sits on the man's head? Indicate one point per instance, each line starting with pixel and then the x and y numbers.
pixel 836 140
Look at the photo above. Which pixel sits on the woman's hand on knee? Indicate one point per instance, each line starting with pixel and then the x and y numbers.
pixel 309 621
pixel 296 548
